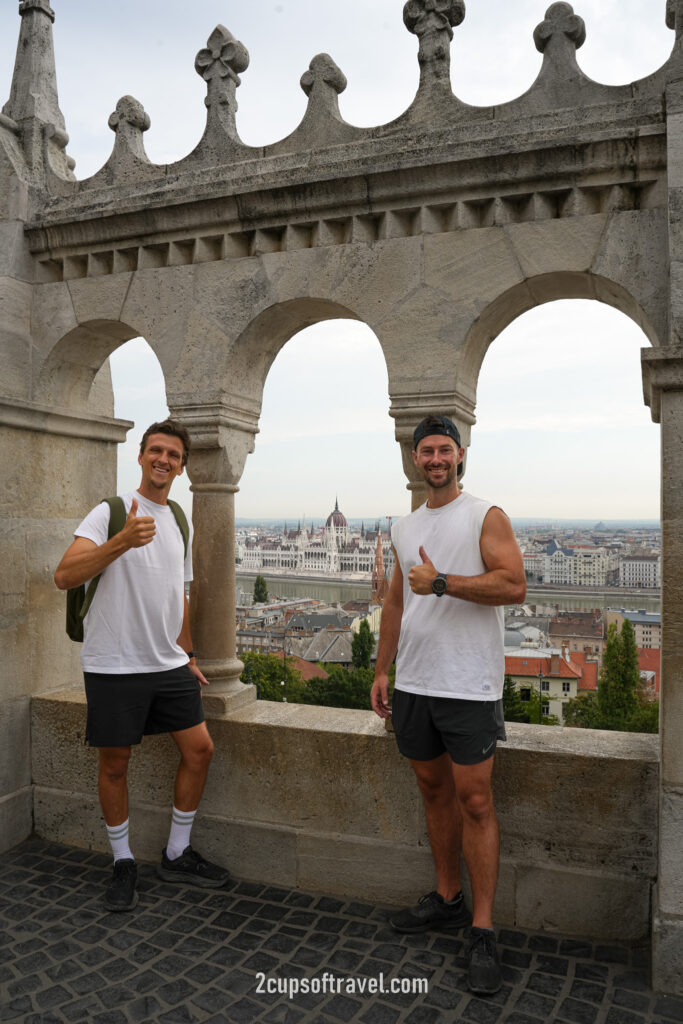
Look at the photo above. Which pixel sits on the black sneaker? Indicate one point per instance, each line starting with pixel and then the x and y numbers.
pixel 483 965
pixel 432 912
pixel 190 867
pixel 121 894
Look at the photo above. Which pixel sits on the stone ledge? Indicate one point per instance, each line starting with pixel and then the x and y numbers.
pixel 320 799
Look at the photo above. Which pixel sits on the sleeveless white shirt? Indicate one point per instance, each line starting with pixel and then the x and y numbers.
pixel 448 647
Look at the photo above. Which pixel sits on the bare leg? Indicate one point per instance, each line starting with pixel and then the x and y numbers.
pixel 444 821
pixel 480 843
pixel 112 785
pixel 196 750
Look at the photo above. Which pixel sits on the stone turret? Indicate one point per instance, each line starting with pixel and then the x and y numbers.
pixel 32 111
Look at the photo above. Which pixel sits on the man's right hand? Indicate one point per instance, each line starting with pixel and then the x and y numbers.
pixel 379 696
pixel 139 530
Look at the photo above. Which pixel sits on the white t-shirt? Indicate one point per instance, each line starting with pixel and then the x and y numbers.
pixel 136 615
pixel 448 647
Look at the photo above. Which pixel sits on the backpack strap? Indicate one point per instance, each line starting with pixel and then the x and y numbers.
pixel 181 520
pixel 117 521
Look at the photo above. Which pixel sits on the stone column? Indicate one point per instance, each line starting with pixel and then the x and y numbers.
pixel 220 445
pixel 663 387
pixel 408 410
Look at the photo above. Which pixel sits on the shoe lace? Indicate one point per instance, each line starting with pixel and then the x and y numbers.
pixel 430 897
pixel 483 942
pixel 123 868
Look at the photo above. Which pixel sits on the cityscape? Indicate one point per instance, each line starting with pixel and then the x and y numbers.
pixel 321 580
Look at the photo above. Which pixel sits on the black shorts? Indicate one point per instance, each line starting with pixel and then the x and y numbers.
pixel 427 727
pixel 124 708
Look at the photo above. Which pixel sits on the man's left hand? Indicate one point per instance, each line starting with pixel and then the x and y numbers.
pixel 420 576
pixel 197 672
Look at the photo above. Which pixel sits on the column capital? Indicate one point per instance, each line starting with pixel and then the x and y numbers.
pixel 222 436
pixel 662 371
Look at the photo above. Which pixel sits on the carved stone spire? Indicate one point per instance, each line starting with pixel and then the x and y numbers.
pixel 219 65
pixel 432 22
pixel 561 34
pixel 323 82
pixel 34 104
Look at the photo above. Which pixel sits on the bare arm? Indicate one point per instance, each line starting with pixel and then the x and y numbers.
pixel 389 631
pixel 185 641
pixel 85 559
pixel 503 582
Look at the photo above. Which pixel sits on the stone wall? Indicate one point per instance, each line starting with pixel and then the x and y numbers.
pixel 320 799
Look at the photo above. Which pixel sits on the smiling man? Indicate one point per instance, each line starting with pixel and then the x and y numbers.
pixel 141 674
pixel 457 564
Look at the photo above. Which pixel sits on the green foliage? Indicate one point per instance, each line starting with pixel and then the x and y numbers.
pixel 362 646
pixel 582 712
pixel 619 679
pixel 621 702
pixel 345 688
pixel 266 672
pixel 260 590
pixel 514 709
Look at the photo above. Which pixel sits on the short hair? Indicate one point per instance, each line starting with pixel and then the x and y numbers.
pixel 174 429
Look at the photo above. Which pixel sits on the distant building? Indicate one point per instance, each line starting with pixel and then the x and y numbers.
pixel 332 551
pixel 582 632
pixel 560 677
pixel 647 626
pixel 640 571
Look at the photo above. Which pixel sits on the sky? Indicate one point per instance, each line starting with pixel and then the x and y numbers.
pixel 562 431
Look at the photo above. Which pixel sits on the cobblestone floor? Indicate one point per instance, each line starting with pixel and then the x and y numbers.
pixel 188 955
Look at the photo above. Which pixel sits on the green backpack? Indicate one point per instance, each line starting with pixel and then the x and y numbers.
pixel 79 599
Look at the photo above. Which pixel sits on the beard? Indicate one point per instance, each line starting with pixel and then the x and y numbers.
pixel 449 475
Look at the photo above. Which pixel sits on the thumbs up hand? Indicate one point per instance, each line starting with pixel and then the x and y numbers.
pixel 420 576
pixel 139 530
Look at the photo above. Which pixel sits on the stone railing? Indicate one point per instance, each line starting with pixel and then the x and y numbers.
pixel 320 799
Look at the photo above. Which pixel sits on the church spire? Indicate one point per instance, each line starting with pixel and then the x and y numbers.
pixel 33 104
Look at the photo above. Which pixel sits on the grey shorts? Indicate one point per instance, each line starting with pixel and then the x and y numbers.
pixel 124 708
pixel 427 727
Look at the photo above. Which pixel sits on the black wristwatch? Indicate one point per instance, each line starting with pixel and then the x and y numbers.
pixel 439 584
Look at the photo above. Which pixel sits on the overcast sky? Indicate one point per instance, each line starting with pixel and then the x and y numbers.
pixel 562 430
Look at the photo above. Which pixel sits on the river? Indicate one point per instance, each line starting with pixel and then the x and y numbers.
pixel 330 592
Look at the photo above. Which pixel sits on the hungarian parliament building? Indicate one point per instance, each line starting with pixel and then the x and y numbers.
pixel 333 551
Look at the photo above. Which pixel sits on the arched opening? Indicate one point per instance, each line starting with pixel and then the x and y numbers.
pixel 324 430
pixel 562 431
pixel 564 443
pixel 140 395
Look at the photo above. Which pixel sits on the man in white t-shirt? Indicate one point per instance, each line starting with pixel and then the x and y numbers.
pixel 457 564
pixel 141 674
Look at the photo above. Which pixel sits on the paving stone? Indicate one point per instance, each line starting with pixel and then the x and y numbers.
pixel 618 1015
pixel 535 1005
pixel 578 1012
pixel 187 956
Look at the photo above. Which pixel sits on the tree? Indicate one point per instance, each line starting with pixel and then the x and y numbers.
pixel 267 673
pixel 619 678
pixel 362 646
pixel 345 688
pixel 514 709
pixel 582 712
pixel 260 590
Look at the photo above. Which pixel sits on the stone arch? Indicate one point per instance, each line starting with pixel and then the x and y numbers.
pixel 67 375
pixel 246 366
pixel 537 291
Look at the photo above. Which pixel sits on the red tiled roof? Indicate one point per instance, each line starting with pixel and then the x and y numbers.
pixel 649 660
pixel 308 669
pixel 517 666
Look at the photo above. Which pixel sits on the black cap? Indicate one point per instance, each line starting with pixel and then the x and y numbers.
pixel 437 425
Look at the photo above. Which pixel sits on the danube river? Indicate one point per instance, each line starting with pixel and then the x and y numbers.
pixel 330 592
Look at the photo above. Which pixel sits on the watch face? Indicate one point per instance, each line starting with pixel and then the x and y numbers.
pixel 439 585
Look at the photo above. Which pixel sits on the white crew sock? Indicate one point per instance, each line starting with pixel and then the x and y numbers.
pixel 179 836
pixel 118 837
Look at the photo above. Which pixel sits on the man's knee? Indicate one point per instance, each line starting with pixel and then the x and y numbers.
pixel 434 780
pixel 114 764
pixel 197 755
pixel 477 804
